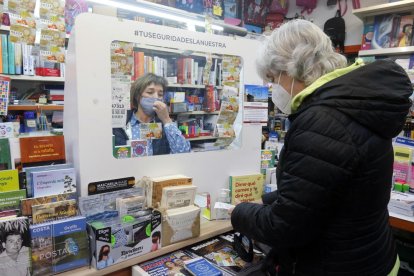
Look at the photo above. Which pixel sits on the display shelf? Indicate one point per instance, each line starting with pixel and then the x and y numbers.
pixel 402 222
pixel 201 138
pixel 35 78
pixel 7 29
pixel 388 51
pixel 209 229
pixel 196 113
pixel 186 85
pixel 36 107
pixel 396 7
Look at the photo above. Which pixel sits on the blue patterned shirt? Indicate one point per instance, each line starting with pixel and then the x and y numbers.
pixel 177 142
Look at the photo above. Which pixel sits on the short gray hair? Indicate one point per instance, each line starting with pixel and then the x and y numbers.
pixel 301 49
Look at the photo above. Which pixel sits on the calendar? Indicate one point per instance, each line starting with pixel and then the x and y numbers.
pixel 4 94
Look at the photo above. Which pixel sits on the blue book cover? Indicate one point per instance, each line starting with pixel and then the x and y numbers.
pixel 40 168
pixel 12 69
pixel 70 244
pixel 42 249
pixel 256 93
pixel 5 56
pixel 201 267
pixel 45 183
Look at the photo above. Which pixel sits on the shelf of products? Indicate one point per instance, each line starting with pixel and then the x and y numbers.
pixel 196 113
pixel 36 107
pixel 402 222
pixel 35 78
pixel 209 229
pixel 7 29
pixel 201 138
pixel 388 51
pixel 400 6
pixel 186 85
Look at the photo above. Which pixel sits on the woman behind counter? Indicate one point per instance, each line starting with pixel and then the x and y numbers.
pixel 147 106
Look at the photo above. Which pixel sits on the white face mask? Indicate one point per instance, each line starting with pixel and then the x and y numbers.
pixel 281 98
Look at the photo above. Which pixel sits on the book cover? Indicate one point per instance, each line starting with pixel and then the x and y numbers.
pixel 405 30
pixel 267 160
pixel 9 180
pixel 11 200
pixel 42 249
pixel 220 252
pixel 70 242
pixel 5 156
pixel 46 183
pixel 5 55
pixel 178 196
pixel 1 55
pixel 27 203
pixel 169 264
pixel 150 130
pixel 53 211
pixel 139 148
pixel 121 152
pixel 27 179
pixel 153 187
pixel 4 94
pixel 15 258
pixel 72 9
pixel 18 59
pixel 256 93
pixel 246 188
pixel 180 224
pixel 382 31
pixel 42 149
pixel 12 68
pixel 201 267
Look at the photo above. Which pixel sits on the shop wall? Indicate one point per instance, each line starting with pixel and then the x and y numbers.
pixel 322 13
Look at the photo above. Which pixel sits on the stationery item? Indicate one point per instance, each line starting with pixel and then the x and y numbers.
pixel 180 224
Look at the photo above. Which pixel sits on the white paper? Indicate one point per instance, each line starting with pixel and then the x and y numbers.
pixel 222 205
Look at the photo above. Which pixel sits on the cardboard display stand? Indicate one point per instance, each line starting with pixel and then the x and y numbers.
pixel 87 116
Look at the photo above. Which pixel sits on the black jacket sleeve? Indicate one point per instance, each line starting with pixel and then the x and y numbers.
pixel 317 163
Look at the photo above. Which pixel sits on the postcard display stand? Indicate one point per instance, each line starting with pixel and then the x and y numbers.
pixel 87 116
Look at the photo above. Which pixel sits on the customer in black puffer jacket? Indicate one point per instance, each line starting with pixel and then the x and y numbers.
pixel 329 215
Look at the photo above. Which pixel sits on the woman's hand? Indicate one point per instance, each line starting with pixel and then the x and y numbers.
pixel 162 112
pixel 258 201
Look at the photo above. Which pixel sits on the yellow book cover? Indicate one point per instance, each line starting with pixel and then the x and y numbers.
pixel 246 188
pixel 9 180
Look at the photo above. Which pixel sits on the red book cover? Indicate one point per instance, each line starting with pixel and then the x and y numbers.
pixel 181 78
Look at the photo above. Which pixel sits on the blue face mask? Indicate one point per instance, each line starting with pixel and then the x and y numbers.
pixel 147 105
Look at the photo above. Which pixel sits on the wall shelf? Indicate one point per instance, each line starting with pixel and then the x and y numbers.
pixel 402 222
pixel 208 229
pixel 186 85
pixel 396 7
pixel 34 78
pixel 196 113
pixel 7 29
pixel 36 107
pixel 201 138
pixel 388 51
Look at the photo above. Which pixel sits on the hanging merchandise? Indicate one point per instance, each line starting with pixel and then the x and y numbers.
pixel 340 7
pixel 279 6
pixel 335 29
pixel 308 5
pixel 255 11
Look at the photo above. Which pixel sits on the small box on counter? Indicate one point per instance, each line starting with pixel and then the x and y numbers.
pixel 113 241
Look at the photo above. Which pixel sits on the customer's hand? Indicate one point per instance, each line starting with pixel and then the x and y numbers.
pixel 162 112
pixel 236 202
